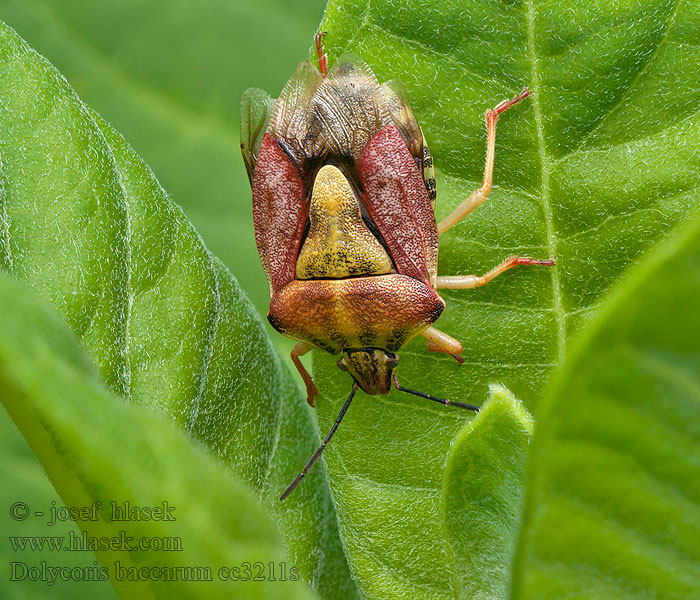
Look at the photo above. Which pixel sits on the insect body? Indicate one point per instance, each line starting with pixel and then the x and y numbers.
pixel 343 200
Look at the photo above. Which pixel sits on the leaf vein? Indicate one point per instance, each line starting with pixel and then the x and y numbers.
pixel 559 313
pixel 642 71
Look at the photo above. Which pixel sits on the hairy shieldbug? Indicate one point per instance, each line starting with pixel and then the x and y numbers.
pixel 343 200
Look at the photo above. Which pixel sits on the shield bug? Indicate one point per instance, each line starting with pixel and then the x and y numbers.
pixel 343 207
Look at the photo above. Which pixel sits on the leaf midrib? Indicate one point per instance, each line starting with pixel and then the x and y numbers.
pixel 545 168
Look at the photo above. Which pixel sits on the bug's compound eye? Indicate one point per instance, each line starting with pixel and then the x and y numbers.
pixel 341 364
pixel 392 360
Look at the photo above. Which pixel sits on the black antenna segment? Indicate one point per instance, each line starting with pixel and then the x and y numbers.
pixel 292 486
pixel 442 401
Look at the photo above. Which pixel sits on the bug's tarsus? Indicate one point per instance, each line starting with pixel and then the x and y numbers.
pixel 526 260
pixel 469 282
pixel 442 401
pixel 506 104
pixel 322 58
pixel 292 486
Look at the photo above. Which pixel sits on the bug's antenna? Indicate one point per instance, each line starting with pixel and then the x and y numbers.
pixel 292 486
pixel 473 407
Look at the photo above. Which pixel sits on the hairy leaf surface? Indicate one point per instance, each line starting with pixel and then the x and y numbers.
pixel 594 168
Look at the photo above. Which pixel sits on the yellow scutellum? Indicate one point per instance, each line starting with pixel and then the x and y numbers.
pixel 339 244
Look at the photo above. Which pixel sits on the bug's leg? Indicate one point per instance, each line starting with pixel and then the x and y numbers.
pixel 468 282
pixel 480 194
pixel 322 58
pixel 299 350
pixel 437 341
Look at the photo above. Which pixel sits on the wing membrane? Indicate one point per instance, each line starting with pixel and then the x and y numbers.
pixel 347 109
pixel 291 118
pixel 256 110
pixel 395 97
pixel 399 107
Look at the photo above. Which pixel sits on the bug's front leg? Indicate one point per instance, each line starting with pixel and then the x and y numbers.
pixel 437 341
pixel 311 390
pixel 468 282
pixel 480 194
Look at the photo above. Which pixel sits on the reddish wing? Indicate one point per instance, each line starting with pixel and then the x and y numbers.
pixel 344 115
pixel 397 201
pixel 280 210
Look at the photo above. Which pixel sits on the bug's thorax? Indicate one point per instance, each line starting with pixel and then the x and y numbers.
pixel 339 244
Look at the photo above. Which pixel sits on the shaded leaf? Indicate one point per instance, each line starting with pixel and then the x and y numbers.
pixel 25 481
pixel 76 428
pixel 482 495
pixel 613 499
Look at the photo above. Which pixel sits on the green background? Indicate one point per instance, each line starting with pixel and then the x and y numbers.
pixel 168 75
pixel 596 168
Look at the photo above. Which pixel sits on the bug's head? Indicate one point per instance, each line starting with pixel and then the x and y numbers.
pixel 372 368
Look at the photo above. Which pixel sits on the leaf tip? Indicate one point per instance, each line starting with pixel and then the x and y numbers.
pixel 501 402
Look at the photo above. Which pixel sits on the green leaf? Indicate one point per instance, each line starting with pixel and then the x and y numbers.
pixel 613 498
pixel 76 428
pixel 482 495
pixel 87 225
pixel 25 481
pixel 168 78
pixel 594 168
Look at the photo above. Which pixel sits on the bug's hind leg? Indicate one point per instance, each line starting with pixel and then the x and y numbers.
pixel 437 341
pixel 468 282
pixel 311 390
pixel 480 194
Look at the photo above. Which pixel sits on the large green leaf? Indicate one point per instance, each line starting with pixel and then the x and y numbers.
pixel 595 167
pixel 86 224
pixel 77 429
pixel 613 498
pixel 168 76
